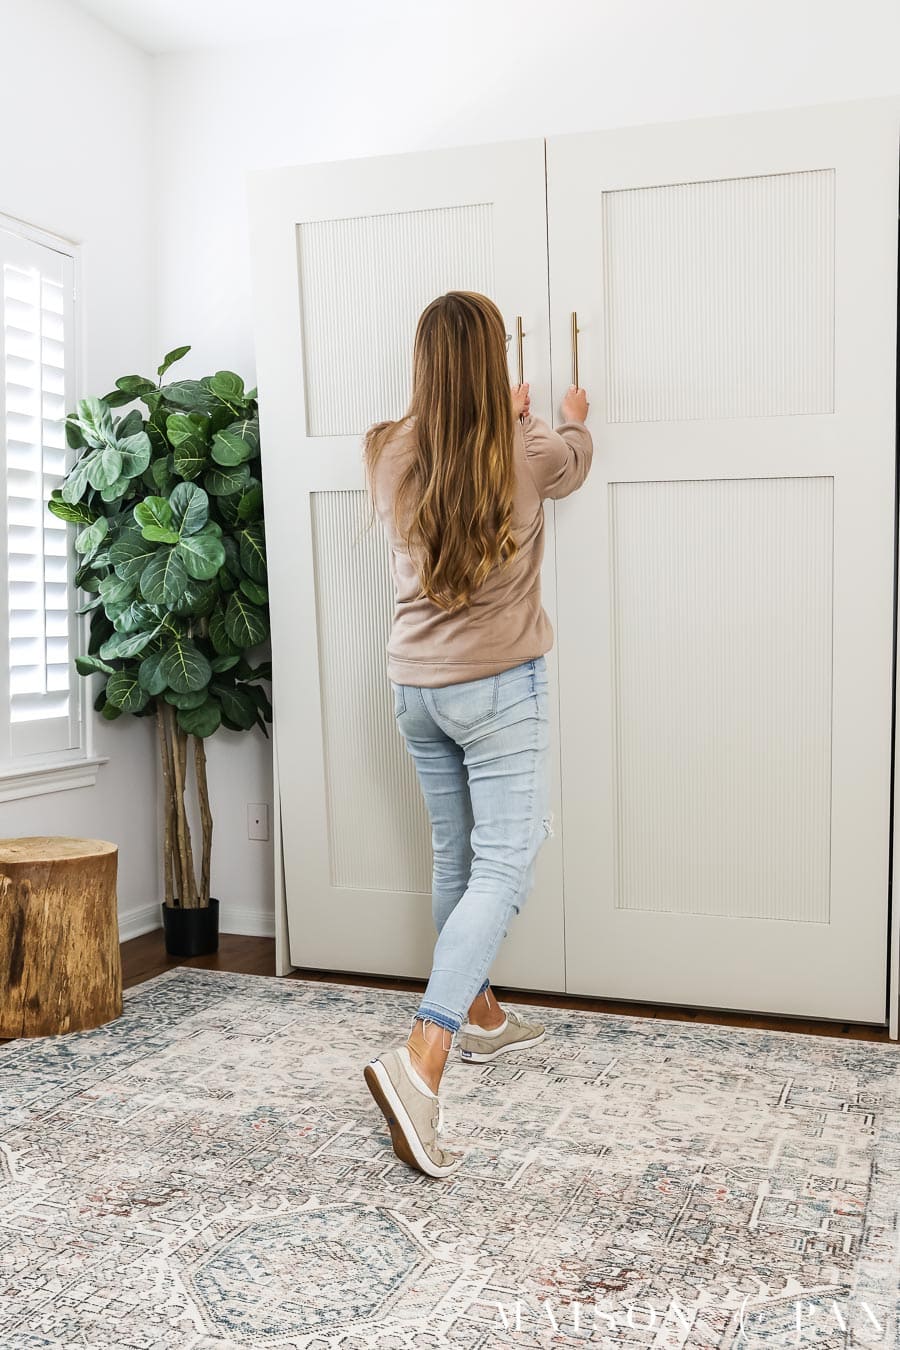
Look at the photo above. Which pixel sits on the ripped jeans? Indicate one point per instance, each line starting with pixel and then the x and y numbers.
pixel 481 755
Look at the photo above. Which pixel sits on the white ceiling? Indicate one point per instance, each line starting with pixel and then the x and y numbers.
pixel 180 25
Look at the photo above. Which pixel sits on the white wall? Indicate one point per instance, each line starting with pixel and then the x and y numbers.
pixel 391 77
pixel 75 107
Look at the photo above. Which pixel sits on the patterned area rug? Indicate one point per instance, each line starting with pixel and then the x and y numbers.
pixel 210 1171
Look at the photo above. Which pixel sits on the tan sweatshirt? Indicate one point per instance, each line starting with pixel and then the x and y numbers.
pixel 505 623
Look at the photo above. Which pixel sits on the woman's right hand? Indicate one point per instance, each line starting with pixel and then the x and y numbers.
pixel 575 405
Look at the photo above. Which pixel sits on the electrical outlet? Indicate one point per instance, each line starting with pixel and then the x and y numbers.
pixel 258 821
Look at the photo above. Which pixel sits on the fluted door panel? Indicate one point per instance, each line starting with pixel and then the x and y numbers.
pixel 721 622
pixel 363 284
pixel 378 832
pixel 720 298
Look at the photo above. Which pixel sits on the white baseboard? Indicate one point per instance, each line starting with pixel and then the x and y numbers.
pixel 246 920
pixel 243 919
pixel 134 922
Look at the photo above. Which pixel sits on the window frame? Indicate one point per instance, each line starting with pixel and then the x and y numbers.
pixel 37 774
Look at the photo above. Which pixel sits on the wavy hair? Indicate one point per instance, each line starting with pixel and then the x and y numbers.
pixel 456 494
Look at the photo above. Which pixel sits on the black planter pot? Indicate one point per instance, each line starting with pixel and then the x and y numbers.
pixel 192 932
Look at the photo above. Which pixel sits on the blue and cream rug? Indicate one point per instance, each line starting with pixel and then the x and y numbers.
pixel 210 1171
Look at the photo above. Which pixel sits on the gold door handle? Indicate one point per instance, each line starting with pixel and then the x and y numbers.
pixel 519 353
pixel 575 348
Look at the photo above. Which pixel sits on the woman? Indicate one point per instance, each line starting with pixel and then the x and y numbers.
pixel 459 485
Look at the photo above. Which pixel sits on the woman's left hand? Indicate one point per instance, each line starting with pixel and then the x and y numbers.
pixel 521 399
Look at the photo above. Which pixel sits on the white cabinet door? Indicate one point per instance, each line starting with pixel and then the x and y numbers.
pixel 725 577
pixel 345 257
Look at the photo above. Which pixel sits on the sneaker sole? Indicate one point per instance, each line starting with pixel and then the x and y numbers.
pixel 406 1142
pixel 478 1057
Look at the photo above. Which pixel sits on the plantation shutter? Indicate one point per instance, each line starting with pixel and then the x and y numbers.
pixel 37 388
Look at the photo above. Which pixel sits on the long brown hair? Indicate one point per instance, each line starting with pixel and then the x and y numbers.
pixel 458 487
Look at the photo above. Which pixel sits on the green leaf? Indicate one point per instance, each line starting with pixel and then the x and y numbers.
pixel 76 479
pixel 78 512
pixel 190 508
pixel 226 386
pixel 154 515
pixel 95 423
pixel 125 644
pixel 258 594
pixel 222 482
pixel 260 698
pixel 188 432
pixel 129 425
pixel 114 588
pixel 229 451
pixel 161 473
pixel 202 554
pixel 170 358
pixel 233 559
pixel 164 578
pixel 92 536
pixel 245 624
pixel 149 674
pixel 197 599
pixel 86 577
pixel 86 665
pixel 123 691
pixel 132 643
pixel 237 705
pixel 220 663
pixel 135 385
pixel 250 502
pixel 136 616
pixel 184 666
pixel 115 608
pixel 248 430
pixel 92 604
pixel 116 489
pixel 201 721
pixel 229 448
pixel 253 551
pixel 261 671
pixel 135 452
pixel 104 467
pixel 101 628
pixel 190 699
pixel 190 395
pixel 187 428
pixel 218 635
pixel 74 435
pixel 188 462
pixel 116 398
pixel 130 554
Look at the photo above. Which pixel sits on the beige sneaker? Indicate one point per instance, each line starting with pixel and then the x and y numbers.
pixel 478 1046
pixel 414 1117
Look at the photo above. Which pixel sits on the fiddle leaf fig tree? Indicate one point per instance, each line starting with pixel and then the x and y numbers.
pixel 171 546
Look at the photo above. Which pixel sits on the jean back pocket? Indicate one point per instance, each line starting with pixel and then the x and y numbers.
pixel 468 704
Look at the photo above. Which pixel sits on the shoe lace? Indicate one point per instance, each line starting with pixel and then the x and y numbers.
pixel 437 1120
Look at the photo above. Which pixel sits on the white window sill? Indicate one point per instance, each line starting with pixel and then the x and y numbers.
pixel 38 779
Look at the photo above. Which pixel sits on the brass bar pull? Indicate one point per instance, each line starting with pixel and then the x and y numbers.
pixel 521 359
pixel 575 348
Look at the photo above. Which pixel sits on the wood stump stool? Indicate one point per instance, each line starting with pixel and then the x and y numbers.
pixel 60 964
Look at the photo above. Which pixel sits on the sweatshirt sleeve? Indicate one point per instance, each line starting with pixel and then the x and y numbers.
pixel 559 459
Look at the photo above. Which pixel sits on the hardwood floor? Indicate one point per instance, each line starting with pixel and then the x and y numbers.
pixel 145 956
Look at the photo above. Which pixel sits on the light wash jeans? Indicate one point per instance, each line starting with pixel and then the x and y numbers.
pixel 480 750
